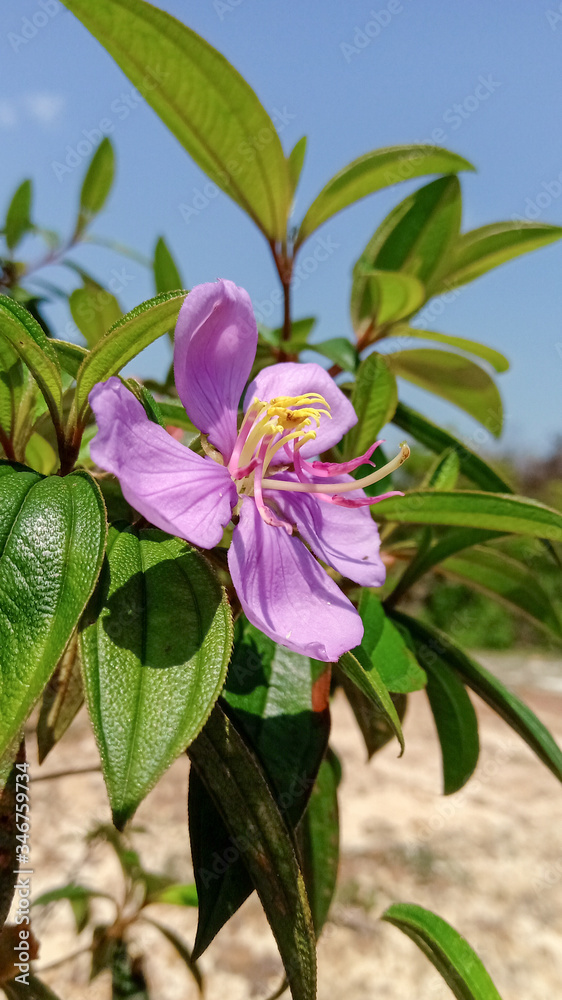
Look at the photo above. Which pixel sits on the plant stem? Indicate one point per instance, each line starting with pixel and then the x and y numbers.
pixel 284 265
pixel 8 446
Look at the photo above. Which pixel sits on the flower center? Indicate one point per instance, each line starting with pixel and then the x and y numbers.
pixel 269 426
pixel 290 422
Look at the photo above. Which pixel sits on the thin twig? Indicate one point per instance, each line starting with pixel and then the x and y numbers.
pixel 61 961
pixel 66 774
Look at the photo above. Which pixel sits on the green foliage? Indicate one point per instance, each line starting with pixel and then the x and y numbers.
pixel 374 400
pixel 133 332
pixel 373 171
pixel 52 538
pixel 202 100
pixel 360 670
pixel 287 726
pixel 454 378
pixel 451 955
pixel 97 184
pixel 157 633
pixel 18 220
pixel 236 782
pixel 167 277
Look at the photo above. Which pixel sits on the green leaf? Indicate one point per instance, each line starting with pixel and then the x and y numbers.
pixel 373 171
pixel 456 379
pixel 431 643
pixel 416 236
pixel 374 399
pixel 167 278
pixel 70 356
pixel 357 666
pixel 279 702
pixel 39 455
pixel 23 333
pixel 202 100
pixel 13 377
pixel 300 332
pixel 62 699
pixel 130 335
pixel 97 184
pixel 456 722
pixel 174 415
pixel 295 161
pixel 386 649
pixel 437 440
pixel 467 509
pixel 507 580
pixel 444 472
pixel 18 220
pixel 78 896
pixel 494 358
pixel 428 556
pixel 52 537
pixel 177 895
pixel 221 876
pixel 380 297
pixel 374 728
pixel 340 350
pixel 482 249
pixel 155 645
pixel 181 948
pixel 242 795
pixel 94 310
pixel 450 953
pixel 318 838
pixel 8 828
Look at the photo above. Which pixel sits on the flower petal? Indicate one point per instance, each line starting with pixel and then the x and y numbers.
pixel 286 593
pixel 171 486
pixel 214 349
pixel 348 540
pixel 293 379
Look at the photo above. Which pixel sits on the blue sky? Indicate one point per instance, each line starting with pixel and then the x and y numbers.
pixel 306 65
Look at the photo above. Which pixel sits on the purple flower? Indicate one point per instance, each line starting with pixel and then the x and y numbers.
pixel 258 473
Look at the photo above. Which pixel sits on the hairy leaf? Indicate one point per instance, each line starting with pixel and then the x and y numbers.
pixel 373 171
pixel 202 100
pixel 52 537
pixel 155 645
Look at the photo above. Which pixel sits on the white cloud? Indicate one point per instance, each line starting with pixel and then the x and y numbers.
pixel 8 114
pixel 46 108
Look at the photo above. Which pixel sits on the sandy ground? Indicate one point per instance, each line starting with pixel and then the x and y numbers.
pixel 488 859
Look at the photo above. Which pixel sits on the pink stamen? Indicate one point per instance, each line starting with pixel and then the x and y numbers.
pixel 265 512
pixel 359 501
pixel 340 468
